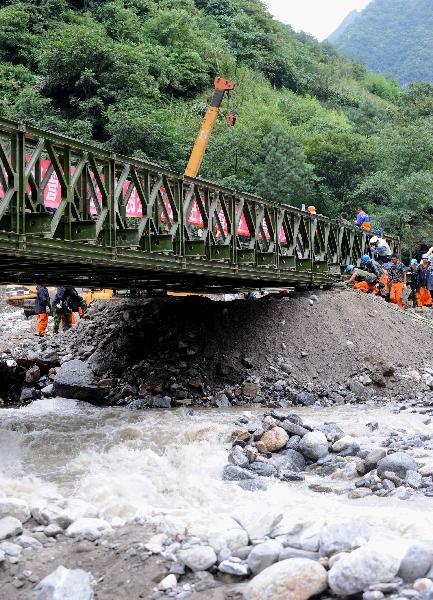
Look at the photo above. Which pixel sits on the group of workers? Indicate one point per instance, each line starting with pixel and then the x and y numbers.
pixel 384 274
pixel 67 301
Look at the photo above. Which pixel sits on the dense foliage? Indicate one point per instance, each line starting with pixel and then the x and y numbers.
pixel 392 36
pixel 135 76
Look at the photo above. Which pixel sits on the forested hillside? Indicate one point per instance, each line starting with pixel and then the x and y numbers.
pixel 393 36
pixel 135 76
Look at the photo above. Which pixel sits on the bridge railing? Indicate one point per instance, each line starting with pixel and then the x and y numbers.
pixel 55 187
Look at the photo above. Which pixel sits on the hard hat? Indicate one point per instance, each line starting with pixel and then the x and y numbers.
pixel 379 231
pixel 349 269
pixel 414 261
pixel 365 259
pixel 374 239
pixel 425 256
pixel 311 209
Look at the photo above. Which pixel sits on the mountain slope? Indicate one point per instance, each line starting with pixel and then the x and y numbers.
pixel 313 126
pixel 347 21
pixel 393 36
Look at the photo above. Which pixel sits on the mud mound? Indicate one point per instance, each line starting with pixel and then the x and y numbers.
pixel 328 338
pixel 335 347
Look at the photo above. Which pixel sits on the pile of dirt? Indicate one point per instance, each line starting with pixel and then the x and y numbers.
pixel 337 344
pixel 310 336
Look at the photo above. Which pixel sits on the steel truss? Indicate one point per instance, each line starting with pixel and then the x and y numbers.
pixel 88 239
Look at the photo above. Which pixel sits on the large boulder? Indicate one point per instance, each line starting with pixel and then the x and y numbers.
pixel 416 562
pixel 373 457
pixel 75 379
pixel 14 507
pixel 368 565
pixel 274 439
pixel 343 536
pixel 198 558
pixel 88 529
pixel 264 555
pixel 62 584
pixel 292 579
pixel 10 526
pixel 314 445
pixel 399 463
pixel 258 524
pixel 290 460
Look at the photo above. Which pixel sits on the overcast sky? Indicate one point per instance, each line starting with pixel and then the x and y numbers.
pixel 318 17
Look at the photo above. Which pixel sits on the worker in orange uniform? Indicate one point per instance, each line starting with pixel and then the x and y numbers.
pixel 363 220
pixel 397 280
pixel 362 280
pixel 42 309
pixel 424 281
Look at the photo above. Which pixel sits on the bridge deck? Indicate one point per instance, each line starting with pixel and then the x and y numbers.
pixel 74 213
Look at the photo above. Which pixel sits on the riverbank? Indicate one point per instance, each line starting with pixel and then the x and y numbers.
pixel 160 473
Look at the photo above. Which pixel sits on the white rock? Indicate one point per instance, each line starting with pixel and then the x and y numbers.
pixel 292 579
pixel 343 536
pixel 314 445
pixel 27 541
pixel 2 556
pixel 88 529
pixel 376 562
pixel 53 530
pixel 426 470
pixel 421 585
pixel 344 443
pixel 233 537
pixel 198 558
pixel 65 584
pixel 156 543
pixel 14 507
pixel 10 526
pixel 11 549
pixel 415 375
pixel 258 524
pixel 64 512
pixel 167 583
pixel 234 568
pixel 264 555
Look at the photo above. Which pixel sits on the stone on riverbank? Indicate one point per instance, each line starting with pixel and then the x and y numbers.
pixel 75 379
pixel 314 445
pixel 343 536
pixel 264 555
pixel 274 439
pixel 198 558
pixel 88 529
pixel 14 507
pixel 258 525
pixel 370 564
pixel 416 562
pixel 70 584
pixel 292 579
pixel 399 463
pixel 10 526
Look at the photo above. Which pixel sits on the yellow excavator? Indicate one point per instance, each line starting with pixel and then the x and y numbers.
pixel 221 86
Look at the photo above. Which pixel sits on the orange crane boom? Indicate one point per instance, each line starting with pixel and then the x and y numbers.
pixel 221 86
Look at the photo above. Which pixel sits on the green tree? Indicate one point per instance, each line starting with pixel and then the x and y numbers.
pixel 283 173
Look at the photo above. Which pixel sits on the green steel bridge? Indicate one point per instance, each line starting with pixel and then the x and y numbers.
pixel 74 214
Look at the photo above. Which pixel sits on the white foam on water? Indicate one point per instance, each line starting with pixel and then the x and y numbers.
pixel 143 463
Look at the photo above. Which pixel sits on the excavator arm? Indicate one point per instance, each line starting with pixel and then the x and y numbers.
pixel 221 86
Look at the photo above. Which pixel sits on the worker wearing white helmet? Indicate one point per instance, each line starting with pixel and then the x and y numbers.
pixel 380 249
